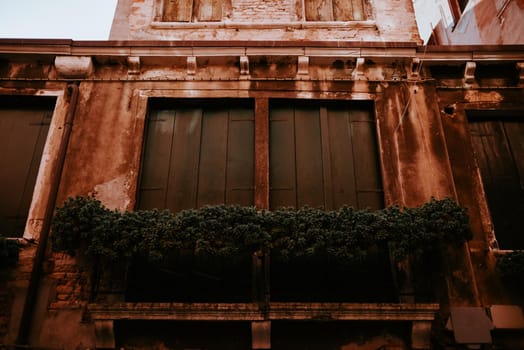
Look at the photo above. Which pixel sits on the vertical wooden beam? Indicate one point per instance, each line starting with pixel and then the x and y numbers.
pixel 104 335
pixel 326 160
pixel 262 153
pixel 261 335
pixel 421 335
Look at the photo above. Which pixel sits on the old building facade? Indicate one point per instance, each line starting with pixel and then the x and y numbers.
pixel 265 104
pixel 471 22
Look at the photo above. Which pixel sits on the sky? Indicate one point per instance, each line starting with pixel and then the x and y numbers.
pixel 91 19
pixel 56 19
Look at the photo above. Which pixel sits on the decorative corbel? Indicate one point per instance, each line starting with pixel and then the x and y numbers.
pixel 244 65
pixel 133 65
pixel 191 65
pixel 303 65
pixel 74 66
pixel 358 72
pixel 469 72
pixel 415 68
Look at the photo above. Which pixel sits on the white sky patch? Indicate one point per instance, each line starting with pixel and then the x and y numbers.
pixel 56 19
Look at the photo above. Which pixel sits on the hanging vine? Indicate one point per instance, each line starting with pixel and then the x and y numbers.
pixel 84 224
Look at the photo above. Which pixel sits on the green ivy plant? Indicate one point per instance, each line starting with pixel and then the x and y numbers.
pixel 84 224
pixel 9 250
pixel 511 269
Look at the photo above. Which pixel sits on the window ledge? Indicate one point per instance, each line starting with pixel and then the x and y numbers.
pixel 370 24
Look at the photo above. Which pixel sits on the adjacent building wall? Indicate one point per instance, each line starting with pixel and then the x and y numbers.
pixel 481 22
pixel 385 21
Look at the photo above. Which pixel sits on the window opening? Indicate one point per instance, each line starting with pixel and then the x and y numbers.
pixel 323 154
pixel 24 123
pixel 499 151
pixel 198 153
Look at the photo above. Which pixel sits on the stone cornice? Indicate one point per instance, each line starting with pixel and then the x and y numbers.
pixel 255 48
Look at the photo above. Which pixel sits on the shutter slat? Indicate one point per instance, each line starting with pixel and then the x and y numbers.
pixel 282 175
pixel 156 158
pixel 212 172
pixel 183 172
pixel 240 157
pixel 310 186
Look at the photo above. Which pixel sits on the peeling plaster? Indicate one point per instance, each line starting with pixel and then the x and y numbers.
pixel 114 193
pixel 480 96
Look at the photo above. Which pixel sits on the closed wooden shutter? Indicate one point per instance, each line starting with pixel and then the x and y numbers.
pixel 323 154
pixel 198 155
pixel 208 10
pixel 23 134
pixel 499 151
pixel 334 10
pixel 177 10
pixel 319 10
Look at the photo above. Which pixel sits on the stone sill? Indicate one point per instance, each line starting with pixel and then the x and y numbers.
pixel 266 25
pixel 255 312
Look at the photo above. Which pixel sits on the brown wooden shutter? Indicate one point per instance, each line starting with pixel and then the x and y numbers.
pixel 323 155
pixel 365 153
pixel 282 151
pixel 196 156
pixel 319 10
pixel 22 138
pixel 334 10
pixel 499 153
pixel 208 10
pixel 177 10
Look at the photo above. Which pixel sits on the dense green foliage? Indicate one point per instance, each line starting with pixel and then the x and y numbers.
pixel 511 268
pixel 346 234
pixel 9 250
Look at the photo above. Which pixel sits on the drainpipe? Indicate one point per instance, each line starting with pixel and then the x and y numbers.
pixel 56 174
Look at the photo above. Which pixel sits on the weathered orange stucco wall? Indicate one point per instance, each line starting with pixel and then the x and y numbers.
pixel 264 21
